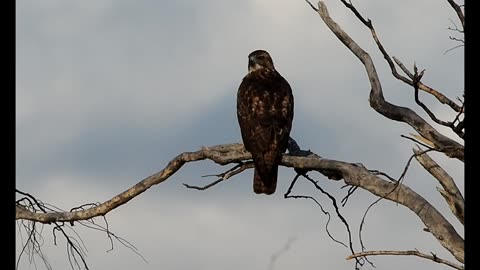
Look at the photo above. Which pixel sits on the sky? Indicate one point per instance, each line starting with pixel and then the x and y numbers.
pixel 108 92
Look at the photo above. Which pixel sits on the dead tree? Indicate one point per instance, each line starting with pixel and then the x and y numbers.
pixel 31 211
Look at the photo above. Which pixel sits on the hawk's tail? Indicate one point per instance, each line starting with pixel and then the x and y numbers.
pixel 268 185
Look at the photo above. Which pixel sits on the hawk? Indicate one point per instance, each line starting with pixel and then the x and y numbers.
pixel 265 114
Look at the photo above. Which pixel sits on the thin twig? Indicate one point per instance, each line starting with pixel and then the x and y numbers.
pixel 432 257
pixel 287 196
pixel 312 6
pixel 458 46
pixel 457 39
pixel 204 187
pixel 377 172
pixel 416 80
pixel 224 176
pixel 358 263
pixel 350 191
pixel 456 27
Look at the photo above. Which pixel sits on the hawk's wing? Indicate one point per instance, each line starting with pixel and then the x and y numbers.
pixel 265 112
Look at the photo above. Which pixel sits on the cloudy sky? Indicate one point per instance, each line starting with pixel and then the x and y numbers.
pixel 107 92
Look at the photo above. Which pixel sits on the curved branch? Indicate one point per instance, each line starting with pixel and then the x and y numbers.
pixel 459 11
pixel 359 176
pixel 432 257
pixel 442 143
pixel 224 176
pixel 416 82
pixel 450 191
pixel 439 96
pixel 368 23
pixel 222 154
pixel 352 173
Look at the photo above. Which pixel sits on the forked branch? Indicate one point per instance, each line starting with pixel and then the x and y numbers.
pixel 221 154
pixel 368 23
pixel 377 101
pixel 439 96
pixel 431 257
pixel 450 191
pixel 416 81
pixel 352 173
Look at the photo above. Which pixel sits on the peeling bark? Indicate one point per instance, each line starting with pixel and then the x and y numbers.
pixel 352 173
pixel 377 101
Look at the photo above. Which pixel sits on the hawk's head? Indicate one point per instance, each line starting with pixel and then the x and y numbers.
pixel 259 59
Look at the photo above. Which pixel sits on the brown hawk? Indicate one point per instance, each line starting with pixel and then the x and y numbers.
pixel 265 114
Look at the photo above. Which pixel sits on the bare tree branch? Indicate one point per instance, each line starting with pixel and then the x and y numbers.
pixel 224 176
pixel 358 263
pixel 455 47
pixel 439 96
pixel 432 257
pixel 397 182
pixel 350 191
pixel 456 29
pixel 416 81
pixel 406 71
pixel 221 154
pixel 457 39
pixel 31 204
pixel 207 186
pixel 450 191
pixel 442 143
pixel 387 57
pixel 311 5
pixel 352 173
pixel 377 101
pixel 459 11
pixel 360 176
pixel 288 196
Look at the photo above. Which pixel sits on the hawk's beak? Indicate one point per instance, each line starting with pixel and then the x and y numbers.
pixel 252 59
